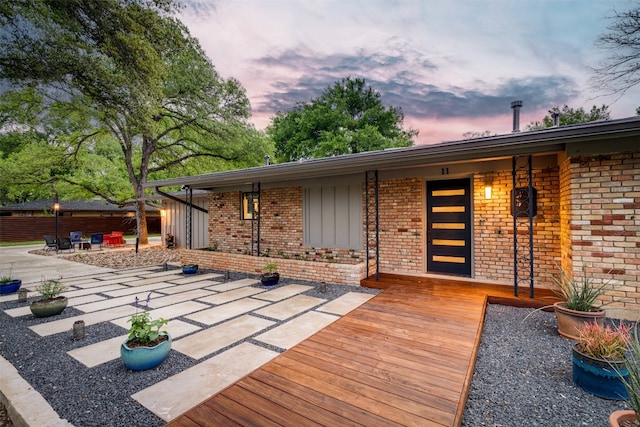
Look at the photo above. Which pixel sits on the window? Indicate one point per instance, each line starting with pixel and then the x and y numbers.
pixel 332 216
pixel 250 205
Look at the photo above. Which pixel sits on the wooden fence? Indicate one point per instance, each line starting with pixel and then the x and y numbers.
pixel 23 229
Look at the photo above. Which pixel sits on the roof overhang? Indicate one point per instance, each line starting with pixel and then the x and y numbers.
pixel 551 140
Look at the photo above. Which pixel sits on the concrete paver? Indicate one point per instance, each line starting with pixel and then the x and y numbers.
pixel 213 339
pixel 226 311
pixel 345 303
pixel 298 329
pixel 283 292
pixel 290 307
pixel 202 381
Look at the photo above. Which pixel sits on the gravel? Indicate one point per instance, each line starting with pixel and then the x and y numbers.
pixel 522 374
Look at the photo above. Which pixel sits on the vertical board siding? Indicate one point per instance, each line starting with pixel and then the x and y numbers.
pixel 333 216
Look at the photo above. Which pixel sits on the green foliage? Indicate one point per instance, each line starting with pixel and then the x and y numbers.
pixel 578 295
pixel 604 342
pixel 632 384
pixel 144 329
pixel 51 288
pixel 270 267
pixel 347 118
pixel 571 116
pixel 119 91
pixel 7 278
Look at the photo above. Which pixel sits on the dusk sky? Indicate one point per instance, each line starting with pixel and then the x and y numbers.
pixel 453 66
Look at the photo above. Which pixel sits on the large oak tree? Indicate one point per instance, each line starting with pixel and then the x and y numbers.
pixel 113 88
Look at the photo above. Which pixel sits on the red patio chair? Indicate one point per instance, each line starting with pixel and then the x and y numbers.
pixel 117 238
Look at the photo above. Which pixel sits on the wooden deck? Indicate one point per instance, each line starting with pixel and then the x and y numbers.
pixel 406 357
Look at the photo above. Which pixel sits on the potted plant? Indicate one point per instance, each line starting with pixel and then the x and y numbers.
pixel 271 276
pixel 189 268
pixel 52 302
pixel 9 285
pixel 630 417
pixel 599 363
pixel 146 345
pixel 578 305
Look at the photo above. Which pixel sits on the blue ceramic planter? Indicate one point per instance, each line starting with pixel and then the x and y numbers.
pixel 10 287
pixel 598 376
pixel 142 358
pixel 270 279
pixel 190 268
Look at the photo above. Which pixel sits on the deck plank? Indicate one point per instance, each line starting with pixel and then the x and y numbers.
pixel 405 357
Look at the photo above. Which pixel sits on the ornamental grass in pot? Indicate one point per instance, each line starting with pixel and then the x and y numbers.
pixel 8 284
pixel 630 417
pixel 579 303
pixel 599 363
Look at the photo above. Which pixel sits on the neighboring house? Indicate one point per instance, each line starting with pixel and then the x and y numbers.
pixel 506 209
pixel 31 220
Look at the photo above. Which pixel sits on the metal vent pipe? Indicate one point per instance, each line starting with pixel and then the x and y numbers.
pixel 516 115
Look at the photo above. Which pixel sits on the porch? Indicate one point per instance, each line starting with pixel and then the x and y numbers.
pixel 405 357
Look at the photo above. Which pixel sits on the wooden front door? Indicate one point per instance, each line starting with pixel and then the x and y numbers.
pixel 449 227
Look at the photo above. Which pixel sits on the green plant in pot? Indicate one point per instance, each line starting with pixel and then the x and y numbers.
pixel 8 284
pixel 51 303
pixel 146 346
pixel 578 303
pixel 630 417
pixel 270 277
pixel 599 362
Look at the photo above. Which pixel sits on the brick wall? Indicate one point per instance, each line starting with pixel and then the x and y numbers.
pixel 493 227
pixel 330 272
pixel 605 224
pixel 280 228
pixel 401 203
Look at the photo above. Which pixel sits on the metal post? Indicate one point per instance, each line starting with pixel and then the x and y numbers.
pixel 56 208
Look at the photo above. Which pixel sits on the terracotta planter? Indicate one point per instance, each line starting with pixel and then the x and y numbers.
pixel 46 308
pixel 142 358
pixel 10 287
pixel 618 417
pixel 599 376
pixel 571 321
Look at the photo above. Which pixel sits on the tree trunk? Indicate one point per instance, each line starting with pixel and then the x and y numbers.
pixel 141 219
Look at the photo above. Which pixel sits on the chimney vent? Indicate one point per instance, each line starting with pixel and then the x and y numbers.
pixel 516 115
pixel 267 160
pixel 555 115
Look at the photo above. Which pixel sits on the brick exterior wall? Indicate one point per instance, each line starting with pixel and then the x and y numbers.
pixel 400 208
pixel 605 224
pixel 342 274
pixel 493 227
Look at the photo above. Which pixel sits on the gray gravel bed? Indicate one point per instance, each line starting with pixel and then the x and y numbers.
pixel 523 376
pixel 100 396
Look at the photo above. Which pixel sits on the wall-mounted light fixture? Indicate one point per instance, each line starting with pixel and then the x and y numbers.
pixel 488 186
pixel 163 213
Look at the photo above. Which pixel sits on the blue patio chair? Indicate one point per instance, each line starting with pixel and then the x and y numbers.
pixel 97 239
pixel 76 238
